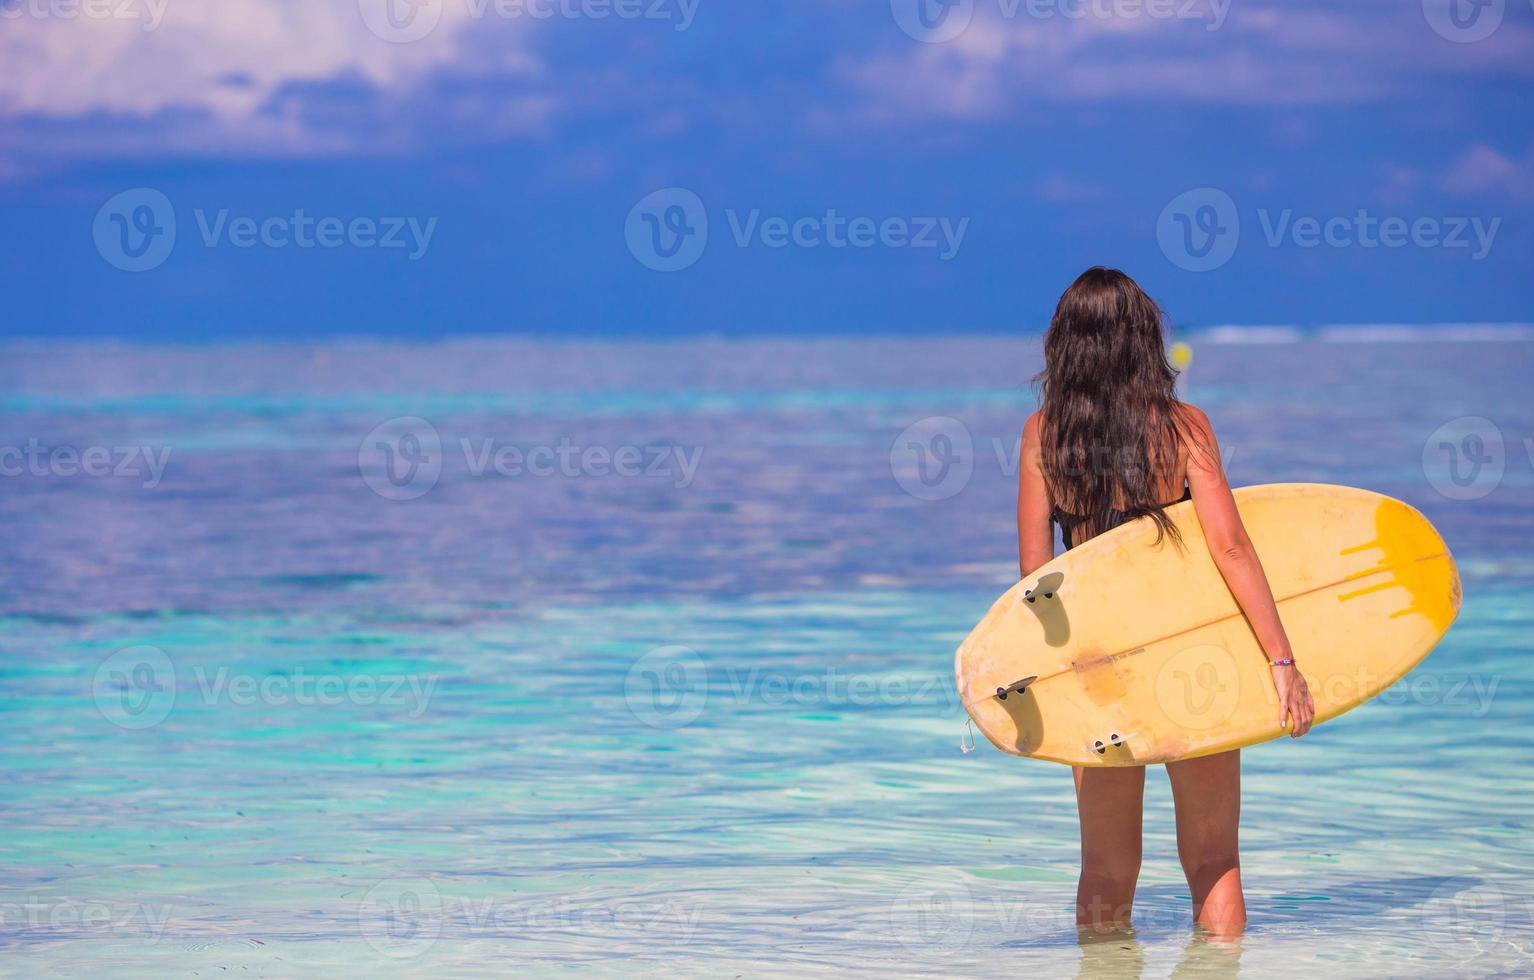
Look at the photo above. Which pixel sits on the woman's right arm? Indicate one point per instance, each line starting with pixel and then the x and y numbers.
pixel 1035 535
pixel 1237 561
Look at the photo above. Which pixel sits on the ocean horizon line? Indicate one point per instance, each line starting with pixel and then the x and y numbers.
pixel 1227 333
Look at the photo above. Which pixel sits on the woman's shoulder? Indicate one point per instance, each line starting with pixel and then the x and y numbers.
pixel 1031 447
pixel 1192 419
pixel 1197 434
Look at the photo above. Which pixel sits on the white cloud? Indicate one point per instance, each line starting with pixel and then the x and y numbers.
pixel 224 62
pixel 1272 56
pixel 1064 189
pixel 1484 171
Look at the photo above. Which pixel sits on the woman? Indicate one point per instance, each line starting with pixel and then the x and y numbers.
pixel 1111 443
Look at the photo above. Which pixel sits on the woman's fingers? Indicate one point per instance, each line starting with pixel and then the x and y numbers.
pixel 1303 707
pixel 1296 709
pixel 1297 706
pixel 1307 712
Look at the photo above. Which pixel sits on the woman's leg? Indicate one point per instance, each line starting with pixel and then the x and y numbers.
pixel 1207 793
pixel 1110 802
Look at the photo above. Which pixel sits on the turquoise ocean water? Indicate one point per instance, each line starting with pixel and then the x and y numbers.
pixel 636 658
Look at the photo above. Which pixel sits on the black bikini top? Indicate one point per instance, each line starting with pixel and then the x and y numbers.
pixel 1067 520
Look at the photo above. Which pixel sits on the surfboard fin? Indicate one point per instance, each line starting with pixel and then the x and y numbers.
pixel 1114 741
pixel 1016 687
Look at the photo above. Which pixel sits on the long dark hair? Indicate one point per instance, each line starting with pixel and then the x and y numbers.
pixel 1109 404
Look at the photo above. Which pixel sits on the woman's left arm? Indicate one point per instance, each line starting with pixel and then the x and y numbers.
pixel 1035 537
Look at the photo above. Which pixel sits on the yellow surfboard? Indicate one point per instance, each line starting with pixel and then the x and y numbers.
pixel 1123 652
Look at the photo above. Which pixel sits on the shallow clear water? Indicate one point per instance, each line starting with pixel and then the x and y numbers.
pixel 272 712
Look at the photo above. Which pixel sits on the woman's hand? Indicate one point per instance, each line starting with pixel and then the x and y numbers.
pixel 1296 708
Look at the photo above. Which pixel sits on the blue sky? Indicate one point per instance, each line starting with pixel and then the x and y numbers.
pixel 824 165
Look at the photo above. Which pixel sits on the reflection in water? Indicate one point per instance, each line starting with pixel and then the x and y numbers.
pixel 1209 957
pixel 1118 954
pixel 1110 954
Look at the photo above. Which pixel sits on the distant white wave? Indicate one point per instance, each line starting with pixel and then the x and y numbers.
pixel 1250 335
pixel 1368 333
pixel 1385 333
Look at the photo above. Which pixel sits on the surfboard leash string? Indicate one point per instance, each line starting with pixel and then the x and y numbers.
pixel 967 736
